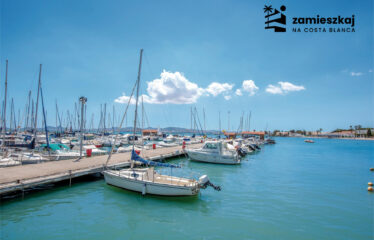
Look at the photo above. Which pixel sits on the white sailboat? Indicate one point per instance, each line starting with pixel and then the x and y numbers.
pixel 214 152
pixel 147 180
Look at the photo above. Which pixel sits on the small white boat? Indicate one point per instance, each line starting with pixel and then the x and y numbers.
pixel 308 141
pixel 127 149
pixel 58 151
pixel 28 157
pixel 148 181
pixel 94 150
pixel 167 144
pixel 63 155
pixel 8 162
pixel 215 152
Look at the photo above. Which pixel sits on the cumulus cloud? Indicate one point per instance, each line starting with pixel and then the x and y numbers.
pixel 172 88
pixel 289 87
pixel 250 87
pixel 273 89
pixel 283 88
pixel 356 74
pixel 238 92
pixel 216 88
pixel 175 88
pixel 247 86
pixel 125 99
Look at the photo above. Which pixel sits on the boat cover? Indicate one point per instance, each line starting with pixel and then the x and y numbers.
pixel 136 157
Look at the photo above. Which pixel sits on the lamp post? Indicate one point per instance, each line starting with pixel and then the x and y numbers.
pixel 83 101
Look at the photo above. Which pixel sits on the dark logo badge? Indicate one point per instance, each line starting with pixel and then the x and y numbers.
pixel 272 23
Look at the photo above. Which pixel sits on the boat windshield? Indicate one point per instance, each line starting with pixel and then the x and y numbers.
pixel 210 146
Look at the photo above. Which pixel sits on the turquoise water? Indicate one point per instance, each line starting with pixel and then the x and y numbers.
pixel 290 190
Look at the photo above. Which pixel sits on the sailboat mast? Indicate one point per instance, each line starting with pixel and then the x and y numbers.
pixel 219 121
pixel 28 111
pixel 5 97
pixel 104 117
pixel 137 99
pixel 204 119
pixel 37 102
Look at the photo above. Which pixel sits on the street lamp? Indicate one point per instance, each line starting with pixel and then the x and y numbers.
pixel 83 101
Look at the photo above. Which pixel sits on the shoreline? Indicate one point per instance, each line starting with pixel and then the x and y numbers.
pixel 362 139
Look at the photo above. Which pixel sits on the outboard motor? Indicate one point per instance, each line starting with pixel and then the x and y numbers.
pixel 241 152
pixel 251 147
pixel 204 183
pixel 256 146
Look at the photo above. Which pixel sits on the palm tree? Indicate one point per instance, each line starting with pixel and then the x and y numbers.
pixel 268 9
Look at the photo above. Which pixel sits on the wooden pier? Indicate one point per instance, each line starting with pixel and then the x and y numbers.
pixel 32 175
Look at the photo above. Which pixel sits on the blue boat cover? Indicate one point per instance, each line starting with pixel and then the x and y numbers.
pixel 136 157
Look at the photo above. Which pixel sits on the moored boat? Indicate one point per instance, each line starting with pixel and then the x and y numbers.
pixel 214 152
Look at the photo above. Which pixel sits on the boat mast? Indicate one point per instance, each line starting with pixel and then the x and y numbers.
pixel 249 121
pixel 37 102
pixel 11 116
pixel 45 120
pixel 5 97
pixel 136 103
pixel 28 112
pixel 204 119
pixel 219 121
pixel 191 117
pixel 104 117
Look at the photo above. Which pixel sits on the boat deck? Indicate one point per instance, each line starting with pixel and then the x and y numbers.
pixel 26 176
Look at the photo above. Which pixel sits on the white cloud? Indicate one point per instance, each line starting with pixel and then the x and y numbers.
pixel 124 99
pixel 172 88
pixel 238 92
pixel 283 88
pixel 175 88
pixel 273 89
pixel 250 87
pixel 370 70
pixel 356 74
pixel 216 88
pixel 289 87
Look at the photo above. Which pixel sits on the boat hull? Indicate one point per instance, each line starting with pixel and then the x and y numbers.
pixel 212 158
pixel 147 187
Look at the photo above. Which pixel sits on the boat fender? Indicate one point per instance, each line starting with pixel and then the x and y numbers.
pixel 144 190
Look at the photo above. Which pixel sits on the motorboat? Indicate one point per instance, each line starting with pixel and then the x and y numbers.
pixel 215 152
pixel 9 162
pixel 58 151
pixel 149 181
pixel 167 144
pixel 308 141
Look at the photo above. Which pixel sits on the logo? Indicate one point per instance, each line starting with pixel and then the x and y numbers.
pixel 276 19
pixel 268 10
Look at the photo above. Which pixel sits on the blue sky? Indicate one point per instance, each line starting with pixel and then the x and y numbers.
pixel 91 48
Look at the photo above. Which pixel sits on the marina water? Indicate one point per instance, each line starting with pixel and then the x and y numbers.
pixel 290 190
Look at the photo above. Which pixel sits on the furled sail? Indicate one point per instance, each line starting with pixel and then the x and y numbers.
pixel 136 157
